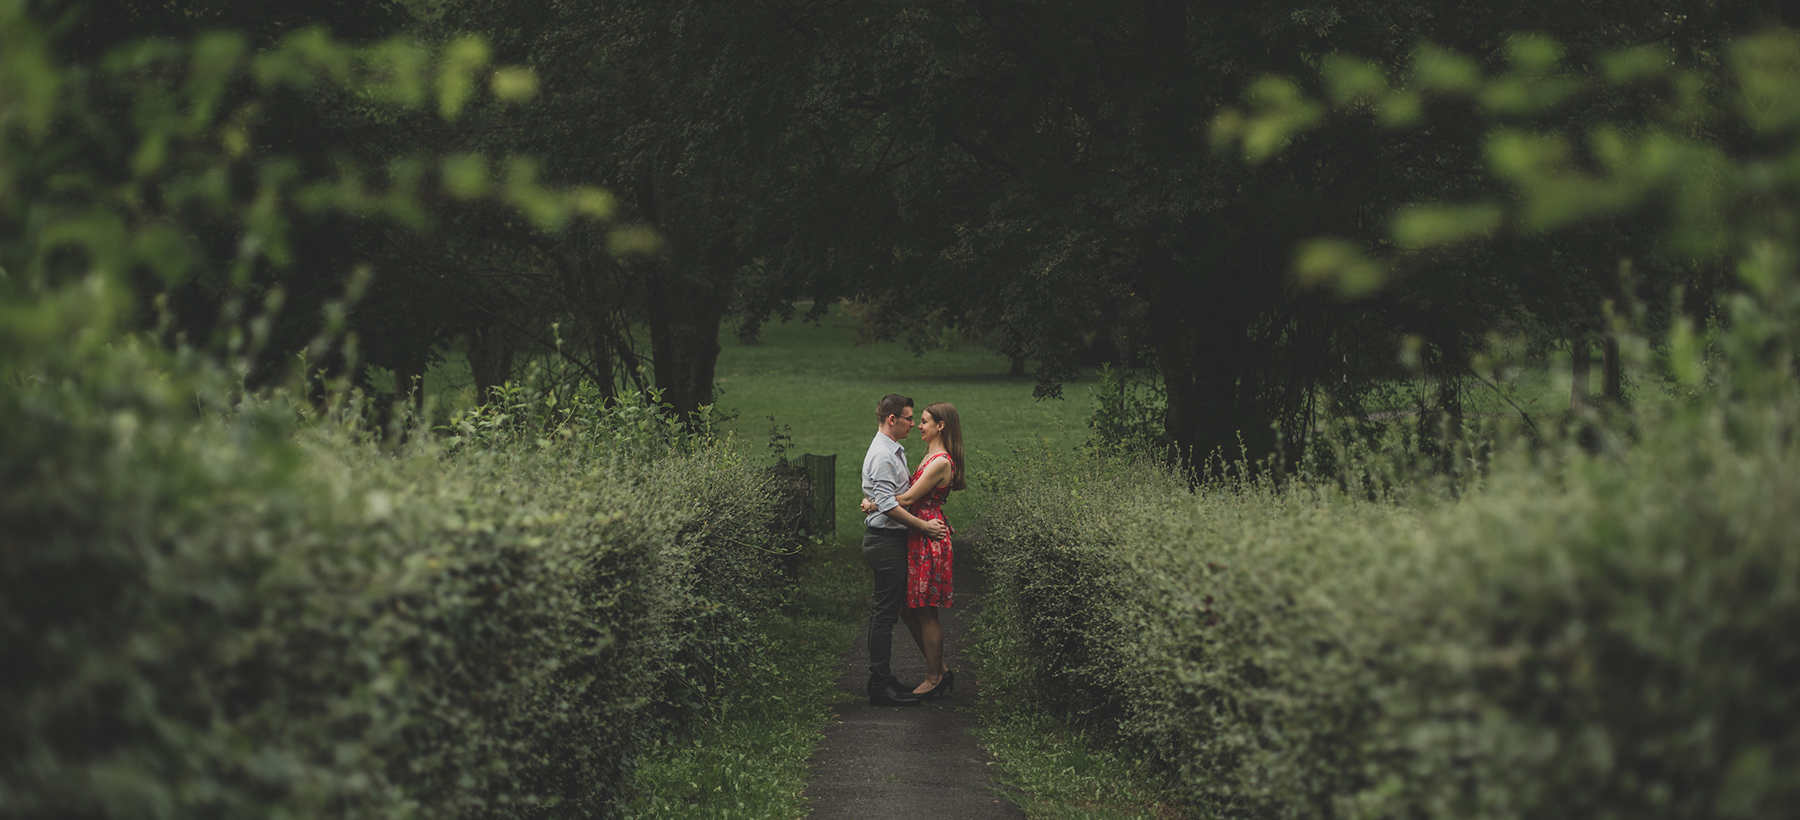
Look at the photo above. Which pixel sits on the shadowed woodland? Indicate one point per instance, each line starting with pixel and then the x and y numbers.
pixel 1039 173
pixel 1441 461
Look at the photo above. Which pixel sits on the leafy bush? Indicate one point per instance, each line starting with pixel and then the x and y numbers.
pixel 216 603
pixel 1583 636
pixel 251 611
pixel 1129 407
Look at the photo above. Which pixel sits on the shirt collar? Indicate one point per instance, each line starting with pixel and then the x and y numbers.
pixel 891 442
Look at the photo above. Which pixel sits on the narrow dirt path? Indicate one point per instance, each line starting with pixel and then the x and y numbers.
pixel 897 763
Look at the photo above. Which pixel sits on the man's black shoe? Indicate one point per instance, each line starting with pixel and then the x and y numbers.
pixel 888 693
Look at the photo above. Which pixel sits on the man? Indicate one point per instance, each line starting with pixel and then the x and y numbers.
pixel 884 475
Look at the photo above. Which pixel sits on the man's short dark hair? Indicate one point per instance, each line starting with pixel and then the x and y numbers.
pixel 891 405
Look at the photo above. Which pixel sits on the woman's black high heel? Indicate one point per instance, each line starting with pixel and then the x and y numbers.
pixel 945 686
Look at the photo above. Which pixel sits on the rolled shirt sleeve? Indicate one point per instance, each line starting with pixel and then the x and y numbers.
pixel 883 477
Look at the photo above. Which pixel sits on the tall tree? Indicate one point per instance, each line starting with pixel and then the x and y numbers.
pixel 1054 174
pixel 693 113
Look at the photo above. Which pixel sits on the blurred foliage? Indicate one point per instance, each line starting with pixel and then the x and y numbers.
pixel 1712 165
pixel 225 601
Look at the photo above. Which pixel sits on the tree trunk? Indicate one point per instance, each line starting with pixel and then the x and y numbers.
pixel 685 315
pixel 1612 382
pixel 684 344
pixel 490 360
pixel 1450 404
pixel 686 290
pixel 1200 351
pixel 1579 364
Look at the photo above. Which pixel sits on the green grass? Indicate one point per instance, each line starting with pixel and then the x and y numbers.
pixel 1056 771
pixel 749 761
pixel 817 382
pixel 1059 773
pixel 822 387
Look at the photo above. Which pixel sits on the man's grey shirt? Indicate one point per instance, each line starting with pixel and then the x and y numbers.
pixel 883 477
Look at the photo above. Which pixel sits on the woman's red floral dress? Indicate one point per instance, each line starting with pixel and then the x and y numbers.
pixel 928 559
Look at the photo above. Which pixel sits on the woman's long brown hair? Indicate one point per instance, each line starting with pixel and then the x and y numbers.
pixel 946 412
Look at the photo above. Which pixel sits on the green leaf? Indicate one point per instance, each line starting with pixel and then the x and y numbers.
pixel 1283 111
pixel 513 84
pixel 215 62
pixel 30 84
pixel 165 250
pixel 633 240
pixel 149 156
pixel 1533 53
pixel 1686 360
pixel 456 74
pixel 1340 265
pixel 1527 95
pixel 1422 226
pixel 1764 267
pixel 1436 69
pixel 597 203
pixel 1768 73
pixel 1400 109
pixel 466 176
pixel 1520 156
pixel 1349 79
pixel 1635 64
pixel 545 209
pixel 399 68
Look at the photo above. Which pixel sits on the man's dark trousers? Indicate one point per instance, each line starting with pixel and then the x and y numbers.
pixel 884 550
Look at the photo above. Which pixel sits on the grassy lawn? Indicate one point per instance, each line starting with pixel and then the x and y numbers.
pixel 1056 770
pixel 817 382
pixel 749 761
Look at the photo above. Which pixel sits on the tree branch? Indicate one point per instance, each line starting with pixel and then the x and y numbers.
pixel 984 156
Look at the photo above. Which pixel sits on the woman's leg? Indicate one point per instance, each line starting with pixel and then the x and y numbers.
pixel 931 641
pixel 910 617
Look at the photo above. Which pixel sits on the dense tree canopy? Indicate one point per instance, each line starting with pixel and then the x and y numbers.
pixel 1059 177
pixel 1039 171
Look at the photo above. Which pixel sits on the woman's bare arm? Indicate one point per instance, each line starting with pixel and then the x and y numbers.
pixel 935 529
pixel 935 474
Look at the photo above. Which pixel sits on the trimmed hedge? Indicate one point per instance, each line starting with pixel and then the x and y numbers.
pixel 1582 636
pixel 229 614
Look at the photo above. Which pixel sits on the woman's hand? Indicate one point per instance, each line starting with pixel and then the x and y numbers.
pixel 868 506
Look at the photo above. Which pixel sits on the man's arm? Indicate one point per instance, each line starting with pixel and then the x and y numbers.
pixel 882 490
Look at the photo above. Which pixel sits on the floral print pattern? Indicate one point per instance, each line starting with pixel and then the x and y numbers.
pixel 928 560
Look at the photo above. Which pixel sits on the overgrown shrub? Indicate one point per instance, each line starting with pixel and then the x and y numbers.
pixel 1582 636
pixel 223 603
pixel 251 611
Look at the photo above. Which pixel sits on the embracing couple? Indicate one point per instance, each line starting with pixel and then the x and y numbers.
pixel 907 543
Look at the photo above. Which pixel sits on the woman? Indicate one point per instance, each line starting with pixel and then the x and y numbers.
pixel 928 560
